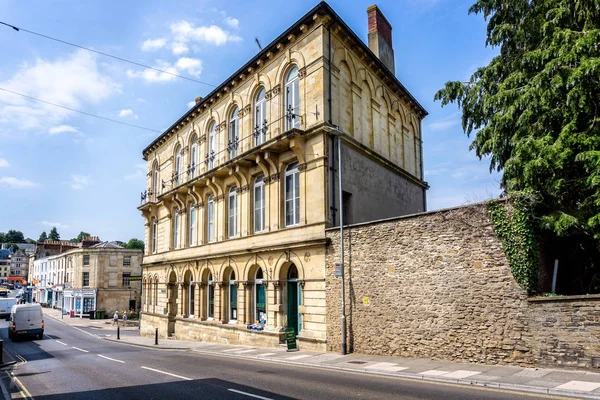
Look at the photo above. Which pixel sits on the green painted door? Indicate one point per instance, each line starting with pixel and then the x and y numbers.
pixel 292 306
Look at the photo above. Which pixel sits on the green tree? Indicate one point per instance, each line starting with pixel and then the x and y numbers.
pixel 54 234
pixel 535 109
pixel 81 235
pixel 43 237
pixel 2 235
pixel 13 236
pixel 135 244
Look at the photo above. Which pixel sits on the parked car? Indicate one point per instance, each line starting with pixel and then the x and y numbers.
pixel 3 292
pixel 26 320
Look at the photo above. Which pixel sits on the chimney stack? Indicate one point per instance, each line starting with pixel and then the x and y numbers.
pixel 380 37
pixel 198 99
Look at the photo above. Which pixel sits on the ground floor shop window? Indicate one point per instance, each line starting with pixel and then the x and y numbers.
pixel 260 312
pixel 211 298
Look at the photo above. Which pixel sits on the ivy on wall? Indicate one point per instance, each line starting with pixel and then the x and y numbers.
pixel 514 224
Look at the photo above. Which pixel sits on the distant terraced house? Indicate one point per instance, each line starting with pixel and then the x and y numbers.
pixel 241 189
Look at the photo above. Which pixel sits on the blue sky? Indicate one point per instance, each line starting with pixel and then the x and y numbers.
pixel 79 173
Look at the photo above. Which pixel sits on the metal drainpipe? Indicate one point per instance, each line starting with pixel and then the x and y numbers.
pixel 342 244
pixel 421 164
pixel 332 165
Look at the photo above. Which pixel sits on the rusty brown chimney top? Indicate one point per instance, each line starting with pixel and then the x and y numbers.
pixel 198 99
pixel 380 37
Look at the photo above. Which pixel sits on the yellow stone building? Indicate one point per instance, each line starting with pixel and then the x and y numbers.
pixel 242 187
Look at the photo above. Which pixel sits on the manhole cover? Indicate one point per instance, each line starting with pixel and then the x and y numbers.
pixel 357 362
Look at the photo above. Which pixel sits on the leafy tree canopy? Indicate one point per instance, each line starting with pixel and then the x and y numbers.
pixel 135 244
pixel 13 236
pixel 54 234
pixel 43 237
pixel 81 235
pixel 535 109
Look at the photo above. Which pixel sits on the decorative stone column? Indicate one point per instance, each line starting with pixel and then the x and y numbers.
pixel 180 296
pixel 202 304
pixel 223 286
pixel 277 300
pixel 196 289
pixel 248 302
pixel 218 302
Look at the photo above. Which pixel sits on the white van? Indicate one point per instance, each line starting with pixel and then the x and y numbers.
pixel 26 320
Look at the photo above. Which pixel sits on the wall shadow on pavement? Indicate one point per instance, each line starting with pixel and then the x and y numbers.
pixel 196 389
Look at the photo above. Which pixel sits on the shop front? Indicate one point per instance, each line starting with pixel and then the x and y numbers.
pixel 79 301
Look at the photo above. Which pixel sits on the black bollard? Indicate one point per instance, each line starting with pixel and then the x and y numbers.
pixel 118 333
pixel 156 337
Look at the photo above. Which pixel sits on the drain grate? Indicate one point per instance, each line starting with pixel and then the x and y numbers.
pixel 357 362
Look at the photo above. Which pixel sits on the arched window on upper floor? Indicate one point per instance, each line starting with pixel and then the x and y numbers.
pixel 292 195
pixel 194 156
pixel 260 117
pixel 232 212
pixel 192 225
pixel 178 164
pixel 155 181
pixel 210 219
pixel 211 154
pixel 292 99
pixel 234 127
pixel 259 204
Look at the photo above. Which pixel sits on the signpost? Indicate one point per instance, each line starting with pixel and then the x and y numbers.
pixel 290 339
pixel 135 278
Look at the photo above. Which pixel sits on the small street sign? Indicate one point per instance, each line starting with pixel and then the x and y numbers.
pixel 290 339
pixel 338 270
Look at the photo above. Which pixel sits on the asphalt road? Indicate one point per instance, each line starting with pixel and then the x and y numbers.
pixel 73 364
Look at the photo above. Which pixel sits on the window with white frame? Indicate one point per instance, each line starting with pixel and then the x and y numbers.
pixel 259 204
pixel 176 221
pixel 194 155
pixel 234 125
pixel 212 145
pixel 155 181
pixel 154 234
pixel 192 226
pixel 178 163
pixel 125 281
pixel 191 305
pixel 211 218
pixel 85 279
pixel 127 261
pixel 292 99
pixel 86 260
pixel 292 195
pixel 232 212
pixel 260 117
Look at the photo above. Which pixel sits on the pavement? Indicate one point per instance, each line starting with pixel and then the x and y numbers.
pixel 550 381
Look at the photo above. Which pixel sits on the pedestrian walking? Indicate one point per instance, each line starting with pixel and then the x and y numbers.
pixel 124 317
pixel 116 318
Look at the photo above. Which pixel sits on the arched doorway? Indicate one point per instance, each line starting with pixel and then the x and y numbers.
pixel 294 299
pixel 172 303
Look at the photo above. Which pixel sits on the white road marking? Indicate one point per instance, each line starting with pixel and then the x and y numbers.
pixel 265 354
pixel 435 372
pixel 579 385
pixel 386 366
pixel 58 341
pixel 111 359
pixel 77 348
pixel 299 357
pixel 245 351
pixel 167 373
pixel 249 394
pixel 236 349
pixel 461 374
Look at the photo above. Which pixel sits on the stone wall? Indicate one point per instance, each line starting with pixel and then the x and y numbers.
pixel 437 285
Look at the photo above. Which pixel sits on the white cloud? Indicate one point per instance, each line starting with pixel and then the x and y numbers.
pixel 72 81
pixel 444 124
pixel 79 181
pixel 127 112
pixel 184 31
pixel 190 105
pixel 232 22
pixel 150 75
pixel 153 44
pixel 140 171
pixel 179 48
pixel 16 183
pixel 4 163
pixel 58 225
pixel 192 66
pixel 62 128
